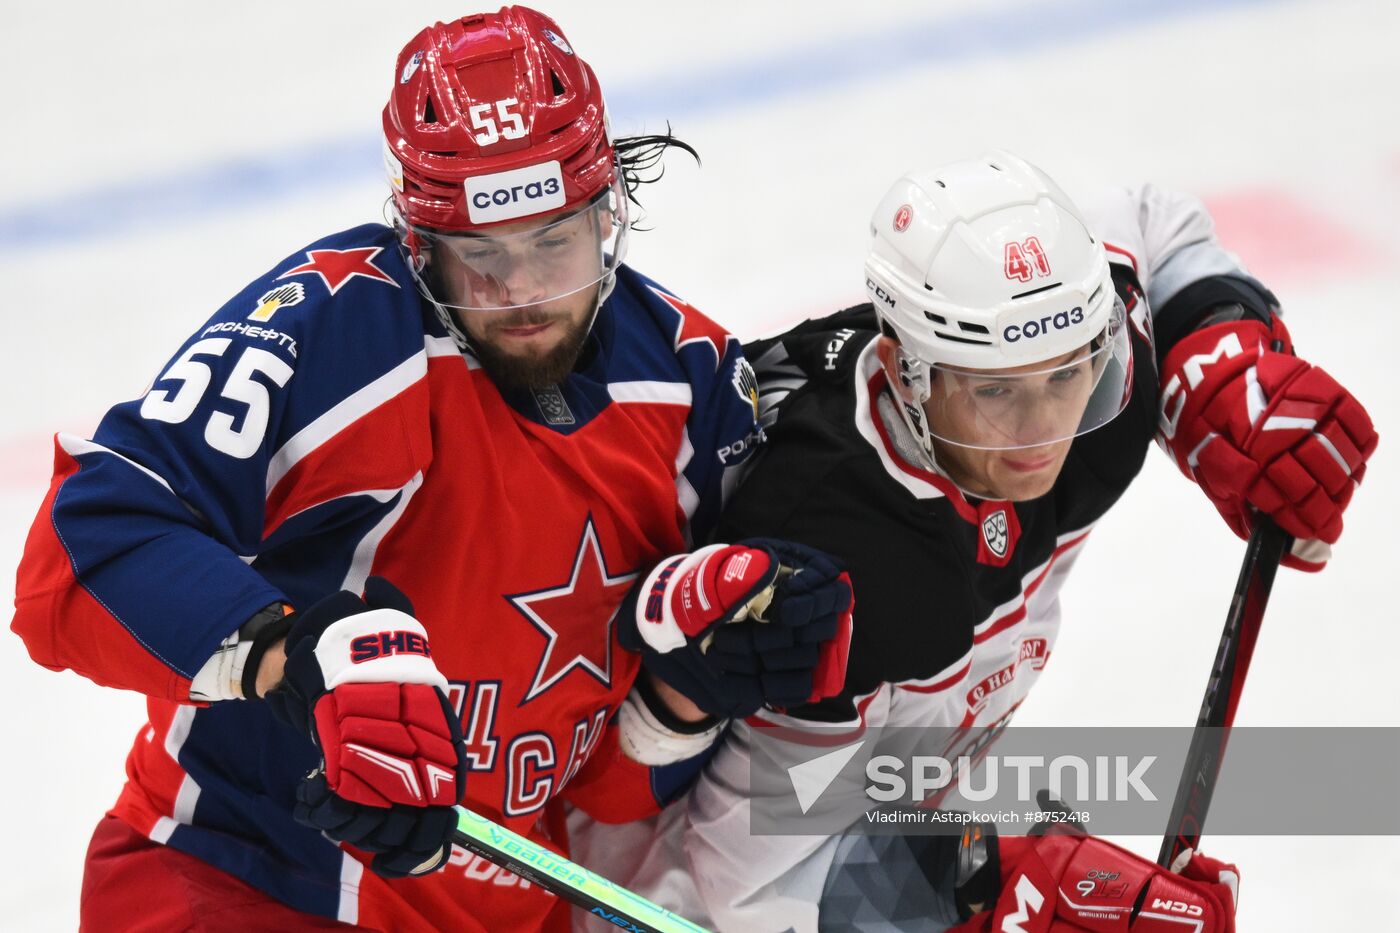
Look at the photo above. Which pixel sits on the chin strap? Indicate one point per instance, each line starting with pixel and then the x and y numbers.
pixel 914 380
pixel 904 435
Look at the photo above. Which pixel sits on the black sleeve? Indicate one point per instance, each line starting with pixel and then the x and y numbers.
pixel 1188 307
pixel 799 340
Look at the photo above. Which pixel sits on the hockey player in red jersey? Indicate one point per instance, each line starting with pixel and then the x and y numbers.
pixel 400 525
pixel 955 441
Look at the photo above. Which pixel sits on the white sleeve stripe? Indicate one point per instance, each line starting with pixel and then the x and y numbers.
pixel 76 447
pixel 163 829
pixel 182 811
pixel 381 496
pixel 686 453
pixel 661 393
pixel 440 346
pixel 687 497
pixel 351 871
pixel 344 414
pixel 363 559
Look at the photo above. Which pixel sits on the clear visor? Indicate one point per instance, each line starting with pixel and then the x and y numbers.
pixel 1032 406
pixel 526 264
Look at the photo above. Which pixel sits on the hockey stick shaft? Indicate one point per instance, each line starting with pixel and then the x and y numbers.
pixel 572 882
pixel 1267 546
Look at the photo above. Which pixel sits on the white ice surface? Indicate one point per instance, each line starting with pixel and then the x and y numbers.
pixel 802 119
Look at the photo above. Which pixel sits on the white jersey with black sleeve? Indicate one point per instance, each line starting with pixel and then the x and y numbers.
pixel 957 606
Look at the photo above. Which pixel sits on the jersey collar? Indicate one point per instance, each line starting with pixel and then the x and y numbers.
pixel 996 520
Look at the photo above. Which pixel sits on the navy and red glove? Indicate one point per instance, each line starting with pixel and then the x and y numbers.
pixel 360 682
pixel 736 627
pixel 1066 882
pixel 1258 428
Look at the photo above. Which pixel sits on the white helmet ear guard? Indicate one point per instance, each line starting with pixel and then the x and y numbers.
pixel 913 375
pixel 1000 298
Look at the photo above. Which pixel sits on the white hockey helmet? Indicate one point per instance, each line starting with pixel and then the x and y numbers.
pixel 1011 332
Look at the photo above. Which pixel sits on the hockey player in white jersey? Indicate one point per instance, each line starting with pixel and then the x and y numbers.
pixel 955 441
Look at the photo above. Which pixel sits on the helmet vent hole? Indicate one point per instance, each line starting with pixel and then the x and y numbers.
pixel 936 318
pixel 429 111
pixel 1095 296
pixel 1037 291
pixel 939 183
pixel 956 339
pixel 995 166
pixel 972 328
pixel 556 83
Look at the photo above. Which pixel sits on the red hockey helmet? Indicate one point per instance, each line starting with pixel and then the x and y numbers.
pixel 493 118
pixel 506 189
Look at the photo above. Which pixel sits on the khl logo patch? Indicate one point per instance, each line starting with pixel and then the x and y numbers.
pixel 553 406
pixel 994 531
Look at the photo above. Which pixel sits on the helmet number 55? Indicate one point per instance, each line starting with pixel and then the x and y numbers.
pixel 220 433
pixel 511 125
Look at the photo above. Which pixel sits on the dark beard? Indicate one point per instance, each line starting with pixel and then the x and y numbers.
pixel 531 373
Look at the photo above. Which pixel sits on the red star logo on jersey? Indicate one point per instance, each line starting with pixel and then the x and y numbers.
pixel 576 618
pixel 694 327
pixel 338 266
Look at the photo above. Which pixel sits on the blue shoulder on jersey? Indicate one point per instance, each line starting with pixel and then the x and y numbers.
pixel 176 485
pixel 722 427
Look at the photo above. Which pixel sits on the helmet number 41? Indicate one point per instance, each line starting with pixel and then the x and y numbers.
pixel 1019 267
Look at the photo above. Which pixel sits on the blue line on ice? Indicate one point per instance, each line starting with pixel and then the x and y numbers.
pixel 242 183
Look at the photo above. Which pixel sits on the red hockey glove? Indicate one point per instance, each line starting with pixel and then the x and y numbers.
pixel 1264 429
pixel 1071 883
pixel 361 683
pixel 740 626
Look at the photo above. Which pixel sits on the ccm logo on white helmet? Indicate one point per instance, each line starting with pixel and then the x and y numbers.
pixel 879 293
pixel 1034 328
pixel 517 193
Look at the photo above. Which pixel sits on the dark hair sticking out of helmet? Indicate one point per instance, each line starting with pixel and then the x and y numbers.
pixel 639 160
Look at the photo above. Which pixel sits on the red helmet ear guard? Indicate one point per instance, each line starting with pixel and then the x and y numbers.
pixel 494 118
